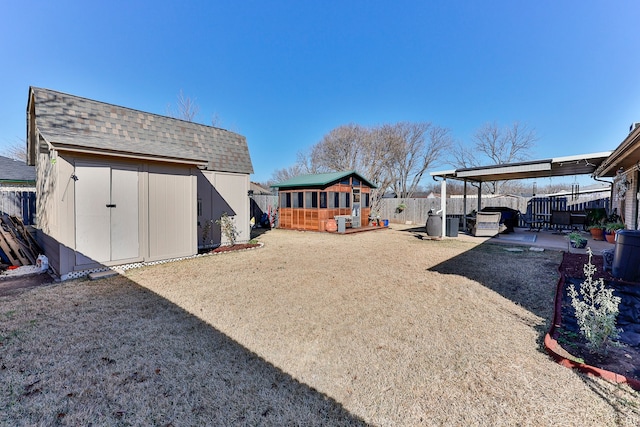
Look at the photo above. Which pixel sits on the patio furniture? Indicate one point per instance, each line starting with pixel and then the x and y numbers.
pixel 487 224
pixel 530 219
pixel 560 218
pixel 508 216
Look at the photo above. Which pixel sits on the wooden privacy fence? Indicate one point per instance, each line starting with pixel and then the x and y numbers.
pixel 416 211
pixel 20 202
pixel 261 204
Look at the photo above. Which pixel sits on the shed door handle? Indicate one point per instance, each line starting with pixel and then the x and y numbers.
pixel 111 206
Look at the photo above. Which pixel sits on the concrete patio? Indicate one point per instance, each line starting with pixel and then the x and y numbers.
pixel 546 239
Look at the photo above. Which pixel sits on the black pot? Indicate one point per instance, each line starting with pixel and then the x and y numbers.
pixel 579 245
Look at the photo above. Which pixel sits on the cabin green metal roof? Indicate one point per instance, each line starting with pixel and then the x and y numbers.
pixel 321 180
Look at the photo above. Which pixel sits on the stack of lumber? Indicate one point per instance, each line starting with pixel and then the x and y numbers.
pixel 16 244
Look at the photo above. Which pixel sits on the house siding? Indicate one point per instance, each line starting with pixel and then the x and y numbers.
pixel 630 202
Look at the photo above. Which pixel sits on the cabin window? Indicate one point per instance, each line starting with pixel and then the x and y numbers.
pixel 345 200
pixel 323 200
pixel 334 200
pixel 356 182
pixel 345 181
pixel 285 200
pixel 311 199
pixel 366 200
pixel 298 199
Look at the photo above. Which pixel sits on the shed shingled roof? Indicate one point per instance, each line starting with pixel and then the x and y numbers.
pixel 70 121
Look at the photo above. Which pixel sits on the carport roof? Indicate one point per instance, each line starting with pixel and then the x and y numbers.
pixel 582 164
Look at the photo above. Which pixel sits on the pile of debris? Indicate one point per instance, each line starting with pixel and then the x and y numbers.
pixel 17 245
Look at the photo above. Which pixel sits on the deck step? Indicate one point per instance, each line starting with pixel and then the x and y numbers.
pixel 102 274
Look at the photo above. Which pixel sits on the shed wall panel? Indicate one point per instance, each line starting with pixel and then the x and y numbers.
pixel 172 212
pixel 225 192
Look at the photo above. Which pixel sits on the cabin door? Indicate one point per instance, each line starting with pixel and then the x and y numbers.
pixel 355 208
pixel 106 211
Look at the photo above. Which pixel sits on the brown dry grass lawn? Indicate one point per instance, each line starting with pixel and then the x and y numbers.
pixel 380 328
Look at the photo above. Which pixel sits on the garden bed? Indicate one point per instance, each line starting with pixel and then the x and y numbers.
pixel 564 341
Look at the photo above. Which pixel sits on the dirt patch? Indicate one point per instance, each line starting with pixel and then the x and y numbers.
pixel 18 284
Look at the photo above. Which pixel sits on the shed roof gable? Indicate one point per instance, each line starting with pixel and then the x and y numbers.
pixel 68 121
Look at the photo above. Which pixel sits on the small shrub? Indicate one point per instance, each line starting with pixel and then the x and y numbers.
pixel 228 228
pixel 596 310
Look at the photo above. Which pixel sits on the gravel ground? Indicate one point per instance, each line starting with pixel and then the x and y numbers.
pixel 381 328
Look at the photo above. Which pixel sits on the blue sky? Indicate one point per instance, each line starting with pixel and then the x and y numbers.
pixel 284 73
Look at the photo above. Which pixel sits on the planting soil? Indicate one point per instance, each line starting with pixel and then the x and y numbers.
pixel 236 247
pixel 623 359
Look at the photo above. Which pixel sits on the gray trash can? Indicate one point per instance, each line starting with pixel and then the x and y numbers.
pixel 342 224
pixel 452 226
pixel 626 256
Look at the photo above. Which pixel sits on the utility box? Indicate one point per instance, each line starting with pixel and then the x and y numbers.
pixel 626 256
pixel 452 226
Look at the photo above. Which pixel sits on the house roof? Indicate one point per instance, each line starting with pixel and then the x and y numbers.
pixel 625 156
pixel 259 189
pixel 73 123
pixel 321 180
pixel 582 164
pixel 15 171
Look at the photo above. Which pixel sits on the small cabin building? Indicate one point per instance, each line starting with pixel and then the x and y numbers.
pixel 308 202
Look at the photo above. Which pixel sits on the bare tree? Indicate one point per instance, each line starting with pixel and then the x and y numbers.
pixel 215 120
pixel 186 108
pixel 286 173
pixel 339 150
pixel 505 145
pixel 497 146
pixel 16 150
pixel 414 147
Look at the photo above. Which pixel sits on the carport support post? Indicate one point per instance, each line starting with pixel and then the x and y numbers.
pixel 464 206
pixel 443 205
pixel 479 197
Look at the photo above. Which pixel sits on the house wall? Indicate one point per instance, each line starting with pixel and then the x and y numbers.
pixel 220 192
pixel 628 207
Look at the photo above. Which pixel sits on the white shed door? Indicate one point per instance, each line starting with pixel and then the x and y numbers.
pixel 106 213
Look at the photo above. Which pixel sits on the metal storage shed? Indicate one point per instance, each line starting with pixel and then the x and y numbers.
pixel 119 186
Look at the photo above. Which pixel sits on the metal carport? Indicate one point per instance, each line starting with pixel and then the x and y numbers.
pixel 582 164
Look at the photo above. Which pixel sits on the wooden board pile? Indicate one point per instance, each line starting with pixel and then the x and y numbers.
pixel 16 244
